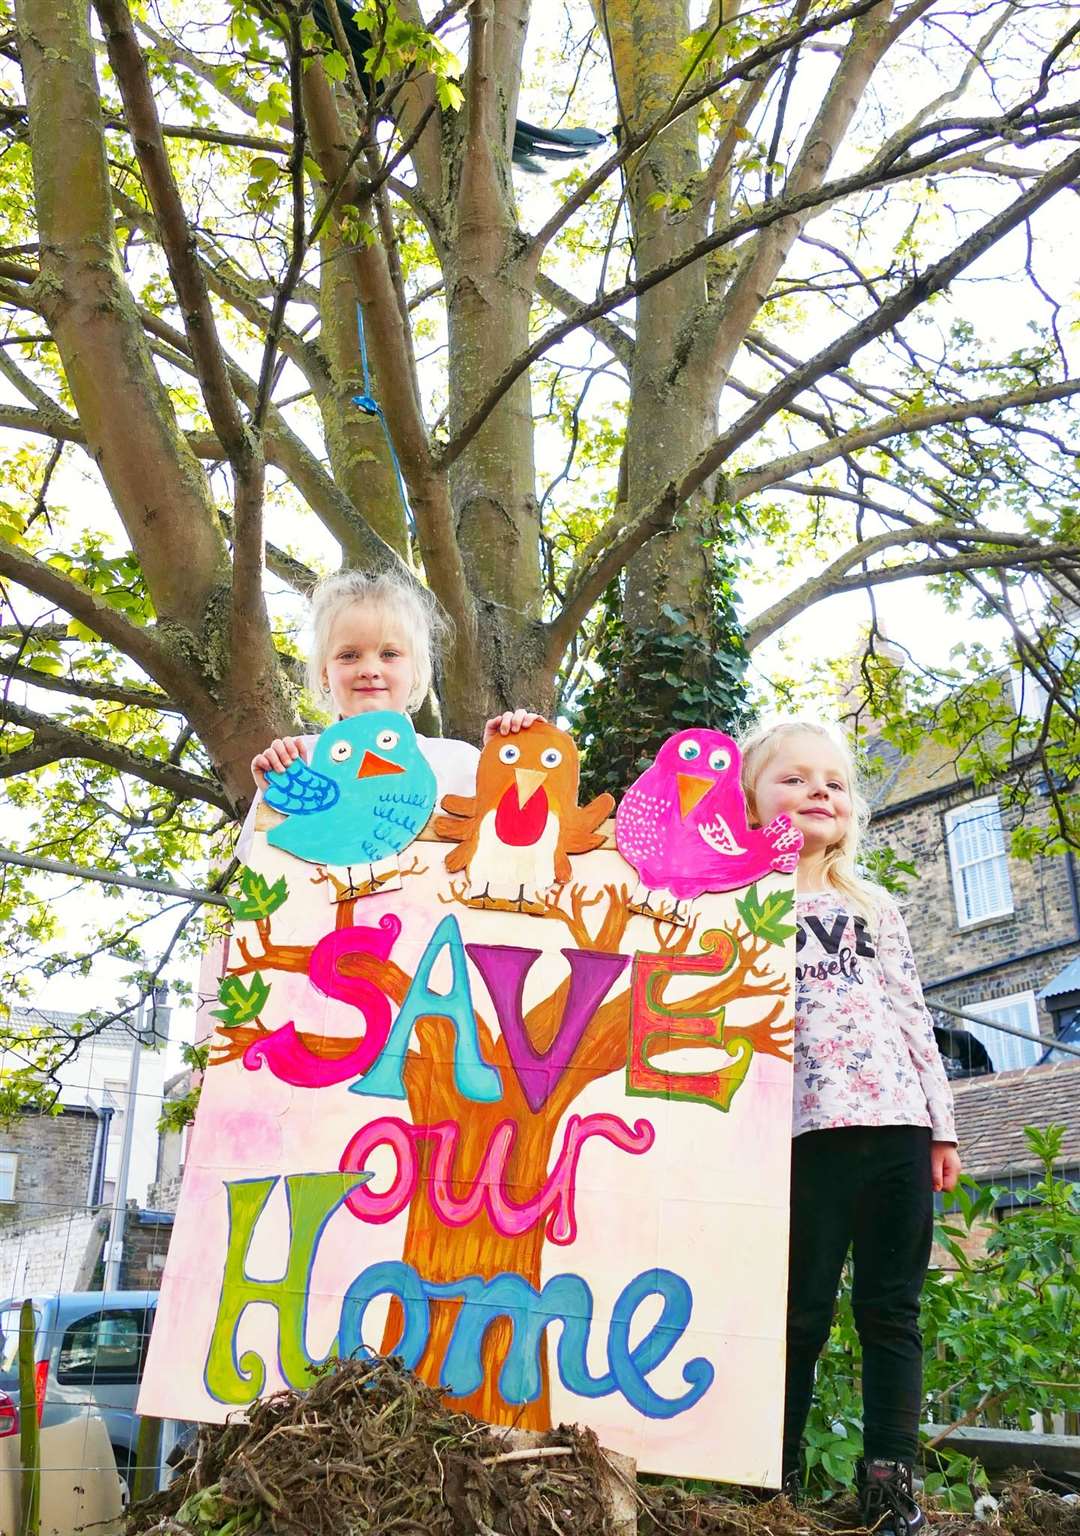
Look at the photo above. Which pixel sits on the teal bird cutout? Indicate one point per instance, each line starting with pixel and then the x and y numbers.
pixel 366 794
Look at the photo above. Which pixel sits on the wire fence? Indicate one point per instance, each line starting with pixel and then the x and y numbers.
pixel 92 1344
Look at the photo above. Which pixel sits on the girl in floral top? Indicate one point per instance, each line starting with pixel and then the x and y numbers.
pixel 873 1117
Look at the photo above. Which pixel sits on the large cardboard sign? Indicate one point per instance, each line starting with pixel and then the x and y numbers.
pixel 530 1134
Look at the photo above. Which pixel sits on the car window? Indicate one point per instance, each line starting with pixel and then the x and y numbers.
pixel 9 1340
pixel 104 1346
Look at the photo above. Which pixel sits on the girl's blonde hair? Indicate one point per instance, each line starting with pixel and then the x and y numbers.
pixel 840 867
pixel 398 601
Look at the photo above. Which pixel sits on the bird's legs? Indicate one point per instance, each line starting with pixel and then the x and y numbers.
pixel 662 906
pixel 361 880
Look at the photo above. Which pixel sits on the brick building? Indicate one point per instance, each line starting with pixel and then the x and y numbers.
pixel 997 937
pixel 52 1163
pixel 58 1171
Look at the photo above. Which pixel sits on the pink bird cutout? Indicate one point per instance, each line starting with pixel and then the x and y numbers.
pixel 682 825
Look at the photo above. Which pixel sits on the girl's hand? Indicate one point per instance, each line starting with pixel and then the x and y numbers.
pixel 277 757
pixel 513 720
pixel 945 1165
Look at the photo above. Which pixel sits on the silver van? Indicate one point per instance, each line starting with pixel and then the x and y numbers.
pixel 89 1349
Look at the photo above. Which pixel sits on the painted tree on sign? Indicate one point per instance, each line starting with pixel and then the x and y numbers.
pixel 745 969
pixel 729 355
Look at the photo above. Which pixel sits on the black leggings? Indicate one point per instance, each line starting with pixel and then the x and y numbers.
pixel 866 1187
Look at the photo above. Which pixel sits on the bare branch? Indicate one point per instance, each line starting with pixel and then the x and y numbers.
pixel 285 566
pixel 16 112
pixel 626 533
pixel 689 101
pixel 901 424
pixel 891 310
pixel 760 218
pixel 608 332
pixel 1009 550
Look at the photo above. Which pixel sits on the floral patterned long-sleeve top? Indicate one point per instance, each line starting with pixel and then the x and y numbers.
pixel 865 1052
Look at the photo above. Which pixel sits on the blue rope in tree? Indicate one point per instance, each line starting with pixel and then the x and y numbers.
pixel 371 407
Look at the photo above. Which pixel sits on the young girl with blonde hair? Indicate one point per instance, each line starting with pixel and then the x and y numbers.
pixel 374 641
pixel 874 1134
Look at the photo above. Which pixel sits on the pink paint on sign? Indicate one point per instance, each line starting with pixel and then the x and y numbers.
pixel 510 1218
pixel 285 1053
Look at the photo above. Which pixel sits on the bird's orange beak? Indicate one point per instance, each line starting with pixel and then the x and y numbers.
pixel 372 764
pixel 692 789
pixel 528 782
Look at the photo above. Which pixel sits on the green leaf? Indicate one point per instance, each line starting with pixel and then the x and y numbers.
pixel 257 899
pixel 450 94
pixel 335 66
pixel 262 168
pixel 241 1004
pixel 764 919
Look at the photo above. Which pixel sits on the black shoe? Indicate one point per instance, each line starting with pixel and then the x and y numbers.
pixel 887 1498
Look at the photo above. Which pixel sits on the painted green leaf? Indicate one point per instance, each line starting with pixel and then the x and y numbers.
pixel 257 898
pixel 765 919
pixel 241 1004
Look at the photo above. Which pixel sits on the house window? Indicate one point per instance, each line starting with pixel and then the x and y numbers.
pixel 1007 1052
pixel 9 1161
pixel 1029 695
pixel 980 866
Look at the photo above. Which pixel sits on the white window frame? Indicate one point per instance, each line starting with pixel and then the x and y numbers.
pixel 996 1042
pixel 1029 695
pixel 9 1165
pixel 974 810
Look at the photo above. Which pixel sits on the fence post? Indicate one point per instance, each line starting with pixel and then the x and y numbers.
pixel 144 1479
pixel 29 1438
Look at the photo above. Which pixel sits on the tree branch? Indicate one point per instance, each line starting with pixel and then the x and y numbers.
pixel 757 270
pixel 761 218
pixel 608 332
pixel 16 112
pixel 90 609
pixel 60 741
pixel 177 240
pixel 902 423
pixel 384 325
pixel 625 534
pixel 688 102
pixel 111 693
pixel 285 566
pixel 891 310
pixel 178 54
pixel 1016 550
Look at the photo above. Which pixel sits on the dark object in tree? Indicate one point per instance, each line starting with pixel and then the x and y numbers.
pixel 550 144
pixel 531 143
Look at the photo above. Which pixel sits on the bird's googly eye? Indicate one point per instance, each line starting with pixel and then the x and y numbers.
pixel 509 753
pixel 689 750
pixel 340 752
pixel 551 758
pixel 386 740
pixel 719 760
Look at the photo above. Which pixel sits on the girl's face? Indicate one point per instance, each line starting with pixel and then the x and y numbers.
pixel 369 663
pixel 806 780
